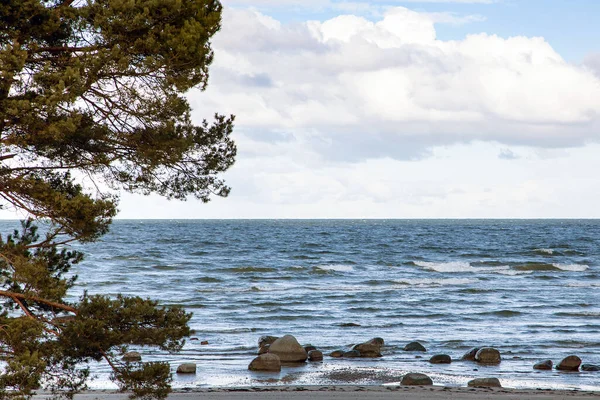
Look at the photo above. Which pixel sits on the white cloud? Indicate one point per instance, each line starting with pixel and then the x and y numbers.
pixel 352 88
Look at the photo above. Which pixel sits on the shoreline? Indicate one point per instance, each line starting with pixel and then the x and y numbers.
pixel 338 392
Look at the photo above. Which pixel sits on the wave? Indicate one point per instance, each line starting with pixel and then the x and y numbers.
pixel 544 251
pixel 335 268
pixel 551 267
pixel 248 269
pixel 502 313
pixel 458 267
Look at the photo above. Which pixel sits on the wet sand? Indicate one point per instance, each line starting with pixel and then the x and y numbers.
pixel 355 393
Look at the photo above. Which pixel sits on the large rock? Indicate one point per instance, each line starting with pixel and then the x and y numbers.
pixel 414 346
pixel 488 355
pixel 377 341
pixel 440 359
pixel 416 379
pixel 187 368
pixel 590 367
pixel 484 382
pixel 263 349
pixel 266 362
pixel 288 349
pixel 368 350
pixel 543 365
pixel 132 356
pixel 570 363
pixel 470 355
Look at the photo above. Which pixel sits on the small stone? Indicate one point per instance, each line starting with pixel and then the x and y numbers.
pixel 266 362
pixel 488 355
pixel 440 359
pixel 484 382
pixel 470 355
pixel 204 343
pixel 590 367
pixel 315 355
pixel 543 365
pixel 187 368
pixel 309 347
pixel 132 356
pixel 368 350
pixel 414 346
pixel 416 379
pixel 352 354
pixel 194 338
pixel 337 354
pixel 570 363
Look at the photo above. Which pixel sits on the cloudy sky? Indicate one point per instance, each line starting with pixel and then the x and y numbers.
pixel 404 109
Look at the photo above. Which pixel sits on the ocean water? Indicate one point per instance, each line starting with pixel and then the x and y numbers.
pixel 530 288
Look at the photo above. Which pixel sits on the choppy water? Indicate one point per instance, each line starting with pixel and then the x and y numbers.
pixel 529 288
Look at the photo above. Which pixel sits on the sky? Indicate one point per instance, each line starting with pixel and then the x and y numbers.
pixel 404 109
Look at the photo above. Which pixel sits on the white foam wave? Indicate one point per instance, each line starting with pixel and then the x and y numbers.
pixel 545 251
pixel 459 266
pixel 571 267
pixel 336 267
pixel 436 282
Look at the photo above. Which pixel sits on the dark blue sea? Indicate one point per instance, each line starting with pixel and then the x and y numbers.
pixel 530 288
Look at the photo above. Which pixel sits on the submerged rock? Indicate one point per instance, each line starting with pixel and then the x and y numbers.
pixel 440 359
pixel 414 378
pixel 288 349
pixel 309 347
pixel 484 382
pixel 414 346
pixel 570 363
pixel 266 362
pixel 187 368
pixel 337 354
pixel 590 367
pixel 543 365
pixel 488 355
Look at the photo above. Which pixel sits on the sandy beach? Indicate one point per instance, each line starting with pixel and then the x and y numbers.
pixel 355 392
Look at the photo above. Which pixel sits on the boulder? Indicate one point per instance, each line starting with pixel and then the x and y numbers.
pixel 470 355
pixel 416 379
pixel 263 340
pixel 204 343
pixel 440 359
pixel 352 354
pixel 590 367
pixel 368 350
pixel 337 354
pixel 414 346
pixel 309 347
pixel 266 362
pixel 315 355
pixel 187 368
pixel 543 365
pixel 288 349
pixel 488 355
pixel 570 363
pixel 484 382
pixel 132 356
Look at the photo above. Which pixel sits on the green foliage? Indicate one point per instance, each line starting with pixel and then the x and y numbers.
pixel 91 102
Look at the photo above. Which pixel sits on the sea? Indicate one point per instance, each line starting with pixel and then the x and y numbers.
pixel 530 288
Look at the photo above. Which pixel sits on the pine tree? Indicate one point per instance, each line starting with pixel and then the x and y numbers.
pixel 92 102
